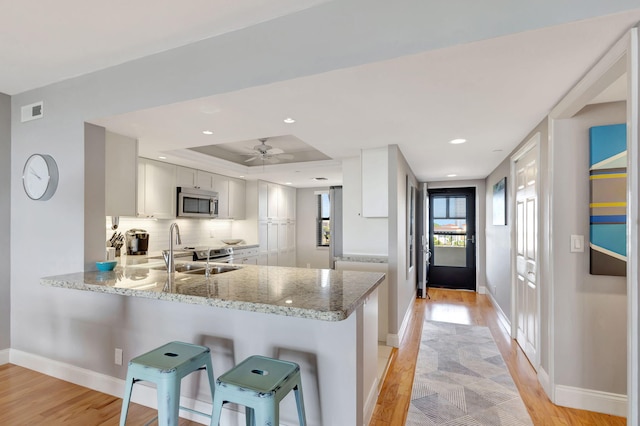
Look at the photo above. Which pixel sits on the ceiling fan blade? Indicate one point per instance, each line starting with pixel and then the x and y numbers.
pixel 272 160
pixel 275 151
pixel 251 159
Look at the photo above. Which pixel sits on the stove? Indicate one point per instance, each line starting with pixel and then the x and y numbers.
pixel 219 255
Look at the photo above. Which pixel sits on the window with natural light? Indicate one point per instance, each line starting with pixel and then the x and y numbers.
pixel 323 220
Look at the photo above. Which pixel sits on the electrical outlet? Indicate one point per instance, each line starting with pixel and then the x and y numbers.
pixel 118 356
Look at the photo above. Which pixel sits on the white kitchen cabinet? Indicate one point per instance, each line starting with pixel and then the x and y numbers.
pixel 263 195
pixel 221 186
pixel 186 177
pixel 375 188
pixel 205 180
pixel 246 256
pixel 156 189
pixel 237 200
pixel 121 168
pixel 273 198
pixel 276 229
pixel 291 203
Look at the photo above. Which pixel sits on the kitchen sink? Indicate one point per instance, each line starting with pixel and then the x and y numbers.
pixel 199 268
pixel 212 270
pixel 185 267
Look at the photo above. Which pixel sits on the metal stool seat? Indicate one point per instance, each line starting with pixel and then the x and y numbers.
pixel 259 383
pixel 166 366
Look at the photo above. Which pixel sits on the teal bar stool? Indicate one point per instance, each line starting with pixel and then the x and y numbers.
pixel 166 366
pixel 259 383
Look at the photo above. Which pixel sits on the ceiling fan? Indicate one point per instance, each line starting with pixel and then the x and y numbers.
pixel 267 153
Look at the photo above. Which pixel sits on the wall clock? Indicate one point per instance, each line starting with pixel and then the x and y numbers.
pixel 40 177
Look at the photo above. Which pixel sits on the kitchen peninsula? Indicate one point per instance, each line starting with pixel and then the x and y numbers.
pixel 325 320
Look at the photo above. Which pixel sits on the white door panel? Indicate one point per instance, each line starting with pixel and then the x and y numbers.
pixel 526 225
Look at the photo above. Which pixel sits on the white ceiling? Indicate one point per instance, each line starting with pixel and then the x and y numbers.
pixel 43 42
pixel 491 92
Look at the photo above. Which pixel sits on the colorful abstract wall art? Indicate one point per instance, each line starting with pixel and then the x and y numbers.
pixel 608 178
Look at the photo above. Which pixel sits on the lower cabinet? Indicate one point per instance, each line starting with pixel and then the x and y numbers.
pixel 247 256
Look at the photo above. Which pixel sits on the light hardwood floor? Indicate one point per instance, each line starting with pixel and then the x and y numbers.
pixel 464 307
pixel 30 398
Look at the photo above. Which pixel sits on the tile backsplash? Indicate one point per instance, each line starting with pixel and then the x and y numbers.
pixel 194 232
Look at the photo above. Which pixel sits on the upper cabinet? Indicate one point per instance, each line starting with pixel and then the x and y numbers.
pixel 375 186
pixel 156 189
pixel 205 180
pixel 155 194
pixel 221 186
pixel 186 177
pixel 231 192
pixel 237 199
pixel 121 168
pixel 276 202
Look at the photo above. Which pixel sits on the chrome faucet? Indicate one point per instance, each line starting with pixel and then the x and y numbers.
pixel 168 256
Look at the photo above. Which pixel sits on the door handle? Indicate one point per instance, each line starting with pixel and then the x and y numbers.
pixel 472 239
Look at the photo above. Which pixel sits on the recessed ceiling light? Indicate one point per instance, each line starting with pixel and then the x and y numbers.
pixel 207 132
pixel 457 141
pixel 289 120
pixel 288 301
pixel 241 176
pixel 497 150
pixel 452 175
pixel 288 183
pixel 162 157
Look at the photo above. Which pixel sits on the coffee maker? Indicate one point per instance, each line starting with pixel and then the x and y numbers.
pixel 137 241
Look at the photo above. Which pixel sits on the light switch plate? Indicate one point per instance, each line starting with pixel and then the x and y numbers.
pixel 577 243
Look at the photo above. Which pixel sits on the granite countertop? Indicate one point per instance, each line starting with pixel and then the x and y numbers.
pixel 320 294
pixel 365 258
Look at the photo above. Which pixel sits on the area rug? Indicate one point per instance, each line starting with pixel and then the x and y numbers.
pixel 462 380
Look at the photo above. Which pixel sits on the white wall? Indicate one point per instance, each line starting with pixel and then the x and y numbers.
pixel 5 219
pixel 307 254
pixel 402 278
pixel 498 238
pixel 590 334
pixel 361 235
pixel 481 212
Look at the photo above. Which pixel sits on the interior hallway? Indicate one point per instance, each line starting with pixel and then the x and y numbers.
pixel 465 307
pixel 30 398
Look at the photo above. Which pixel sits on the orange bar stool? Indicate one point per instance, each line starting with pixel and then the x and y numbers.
pixel 166 366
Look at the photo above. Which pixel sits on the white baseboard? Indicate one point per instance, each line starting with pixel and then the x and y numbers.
pixel 395 339
pixel 143 395
pixel 545 382
pixel 67 372
pixel 4 356
pixel 502 318
pixel 370 403
pixel 591 400
pixel 482 290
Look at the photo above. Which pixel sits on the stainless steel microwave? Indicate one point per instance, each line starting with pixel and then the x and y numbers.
pixel 195 202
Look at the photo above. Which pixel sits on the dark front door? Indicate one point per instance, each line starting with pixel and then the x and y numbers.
pixel 452 235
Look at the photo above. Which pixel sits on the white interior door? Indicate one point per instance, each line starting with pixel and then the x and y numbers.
pixel 526 217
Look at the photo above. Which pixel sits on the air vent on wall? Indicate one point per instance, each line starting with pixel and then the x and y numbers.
pixel 32 111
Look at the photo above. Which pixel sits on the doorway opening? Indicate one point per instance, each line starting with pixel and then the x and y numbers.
pixel 452 237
